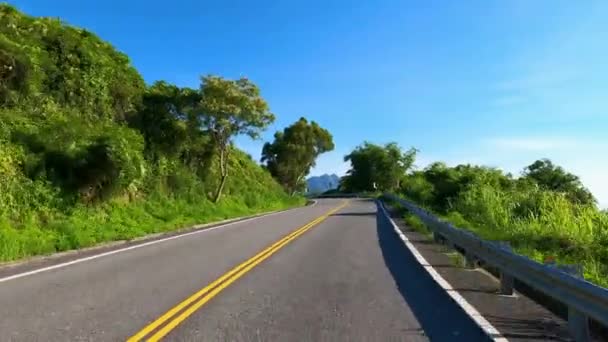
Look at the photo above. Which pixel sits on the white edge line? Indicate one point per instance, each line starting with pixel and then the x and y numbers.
pixel 483 323
pixel 116 251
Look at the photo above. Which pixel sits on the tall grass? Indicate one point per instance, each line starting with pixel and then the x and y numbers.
pixel 538 224
pixel 116 220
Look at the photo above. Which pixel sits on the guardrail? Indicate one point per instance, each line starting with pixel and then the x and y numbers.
pixel 583 299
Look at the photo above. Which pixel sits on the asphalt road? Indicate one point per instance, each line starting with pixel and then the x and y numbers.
pixel 348 278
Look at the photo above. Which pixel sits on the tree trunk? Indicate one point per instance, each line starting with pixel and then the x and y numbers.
pixel 218 193
pixel 298 179
pixel 223 173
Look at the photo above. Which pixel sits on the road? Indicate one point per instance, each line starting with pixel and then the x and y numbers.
pixel 347 277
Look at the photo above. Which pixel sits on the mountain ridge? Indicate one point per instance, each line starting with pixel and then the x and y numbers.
pixel 322 183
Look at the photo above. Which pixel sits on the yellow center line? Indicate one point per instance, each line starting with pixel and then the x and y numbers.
pixel 211 290
pixel 207 288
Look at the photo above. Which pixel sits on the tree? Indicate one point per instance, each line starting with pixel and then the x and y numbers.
pixel 447 183
pixel 416 187
pixel 229 108
pixel 163 119
pixel 552 177
pixel 294 151
pixel 375 167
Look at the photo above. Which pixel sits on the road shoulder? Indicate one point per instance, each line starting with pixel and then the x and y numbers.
pixel 517 317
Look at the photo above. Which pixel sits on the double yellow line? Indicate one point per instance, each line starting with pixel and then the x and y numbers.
pixel 185 309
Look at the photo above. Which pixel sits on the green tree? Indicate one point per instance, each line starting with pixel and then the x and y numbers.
pixel 375 167
pixel 294 151
pixel 416 187
pixel 163 119
pixel 229 108
pixel 552 177
pixel 449 182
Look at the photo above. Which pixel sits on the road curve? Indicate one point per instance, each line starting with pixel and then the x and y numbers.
pixel 345 277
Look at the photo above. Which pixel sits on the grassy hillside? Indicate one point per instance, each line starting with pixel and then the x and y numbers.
pixel 89 153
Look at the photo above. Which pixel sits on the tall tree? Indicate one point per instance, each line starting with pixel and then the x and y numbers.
pixel 552 177
pixel 229 108
pixel 375 167
pixel 162 121
pixel 294 151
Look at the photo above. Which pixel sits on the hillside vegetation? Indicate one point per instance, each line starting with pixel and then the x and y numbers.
pixel 90 153
pixel 546 213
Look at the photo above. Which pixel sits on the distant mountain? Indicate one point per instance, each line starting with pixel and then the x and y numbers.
pixel 319 184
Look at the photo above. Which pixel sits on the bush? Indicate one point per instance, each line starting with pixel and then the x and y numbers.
pixel 73 67
pixel 537 221
pixel 418 189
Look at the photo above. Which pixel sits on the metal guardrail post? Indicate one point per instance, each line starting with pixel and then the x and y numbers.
pixel 578 323
pixel 437 238
pixel 451 245
pixel 507 282
pixel 469 260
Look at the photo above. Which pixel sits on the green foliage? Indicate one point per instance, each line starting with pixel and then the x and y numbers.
pixel 232 107
pixel 555 178
pixel 418 188
pixel 162 121
pixel 15 70
pixel 375 167
pixel 541 214
pixel 439 185
pixel 228 108
pixel 80 158
pixel 294 151
pixel 89 154
pixel 45 63
pixel 539 223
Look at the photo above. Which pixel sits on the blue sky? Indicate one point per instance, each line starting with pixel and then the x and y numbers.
pixel 499 83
